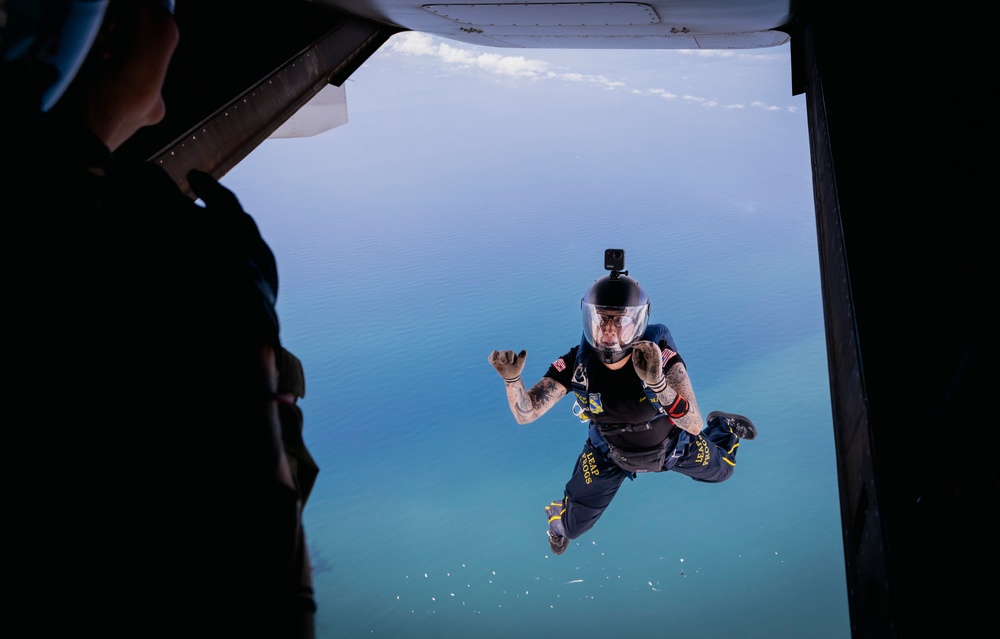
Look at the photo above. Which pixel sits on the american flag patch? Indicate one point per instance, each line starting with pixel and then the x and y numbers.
pixel 559 365
pixel 665 356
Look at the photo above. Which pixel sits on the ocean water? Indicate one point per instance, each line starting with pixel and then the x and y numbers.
pixel 460 212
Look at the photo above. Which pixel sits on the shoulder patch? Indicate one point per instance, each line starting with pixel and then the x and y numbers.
pixel 559 365
pixel 665 356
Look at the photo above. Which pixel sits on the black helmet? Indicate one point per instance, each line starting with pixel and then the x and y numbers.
pixel 615 314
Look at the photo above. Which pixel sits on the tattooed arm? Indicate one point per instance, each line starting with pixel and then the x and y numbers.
pixel 678 383
pixel 527 406
pixel 673 390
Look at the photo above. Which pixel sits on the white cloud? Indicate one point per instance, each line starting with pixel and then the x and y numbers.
pixel 412 43
pixel 662 92
pixel 599 80
pixel 421 44
pixel 708 53
pixel 768 107
pixel 728 53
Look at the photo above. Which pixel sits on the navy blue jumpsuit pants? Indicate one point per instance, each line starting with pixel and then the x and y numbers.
pixel 709 457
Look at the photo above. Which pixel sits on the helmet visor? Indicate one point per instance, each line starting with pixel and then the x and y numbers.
pixel 613 328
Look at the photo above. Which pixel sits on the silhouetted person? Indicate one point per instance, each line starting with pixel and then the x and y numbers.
pixel 151 491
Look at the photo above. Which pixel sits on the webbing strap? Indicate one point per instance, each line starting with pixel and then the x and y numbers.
pixel 683 439
pixel 614 429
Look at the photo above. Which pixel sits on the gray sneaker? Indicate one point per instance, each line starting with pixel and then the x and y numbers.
pixel 557 543
pixel 738 424
pixel 557 540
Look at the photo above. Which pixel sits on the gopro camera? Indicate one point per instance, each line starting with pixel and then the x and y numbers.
pixel 614 259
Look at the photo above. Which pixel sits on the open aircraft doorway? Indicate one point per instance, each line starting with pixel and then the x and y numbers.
pixel 474 215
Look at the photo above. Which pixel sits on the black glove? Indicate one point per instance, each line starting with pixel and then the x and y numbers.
pixel 245 244
pixel 221 201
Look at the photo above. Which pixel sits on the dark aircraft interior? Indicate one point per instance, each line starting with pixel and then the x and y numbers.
pixel 897 96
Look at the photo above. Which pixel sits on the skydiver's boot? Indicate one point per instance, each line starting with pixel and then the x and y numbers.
pixel 557 534
pixel 738 424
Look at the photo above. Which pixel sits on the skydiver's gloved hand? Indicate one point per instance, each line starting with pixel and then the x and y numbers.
pixel 646 358
pixel 242 237
pixel 508 364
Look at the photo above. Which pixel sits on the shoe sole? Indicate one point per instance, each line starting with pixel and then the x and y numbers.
pixel 558 549
pixel 751 429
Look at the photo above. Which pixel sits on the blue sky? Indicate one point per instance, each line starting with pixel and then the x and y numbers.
pixel 475 132
pixel 464 207
pixel 427 111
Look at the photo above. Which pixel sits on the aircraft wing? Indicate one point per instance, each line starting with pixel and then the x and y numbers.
pixel 655 24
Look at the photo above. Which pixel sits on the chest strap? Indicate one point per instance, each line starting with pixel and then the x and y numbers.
pixel 581 382
pixel 614 429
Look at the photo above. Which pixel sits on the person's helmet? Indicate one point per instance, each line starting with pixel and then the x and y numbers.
pixel 615 315
pixel 55 33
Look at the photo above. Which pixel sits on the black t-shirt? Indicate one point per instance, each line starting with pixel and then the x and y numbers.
pixel 617 397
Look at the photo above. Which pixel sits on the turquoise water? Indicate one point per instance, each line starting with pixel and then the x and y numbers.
pixel 458 213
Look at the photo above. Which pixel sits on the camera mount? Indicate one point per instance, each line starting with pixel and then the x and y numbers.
pixel 614 261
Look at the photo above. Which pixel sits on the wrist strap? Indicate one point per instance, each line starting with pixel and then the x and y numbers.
pixel 512 380
pixel 679 408
pixel 659 386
